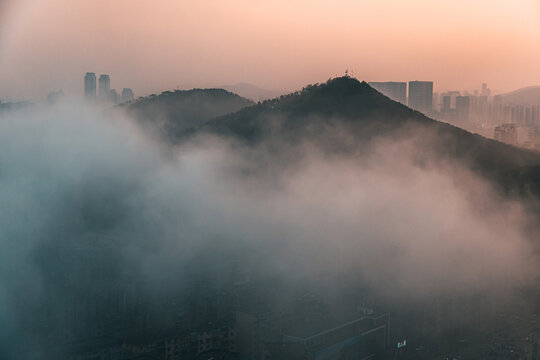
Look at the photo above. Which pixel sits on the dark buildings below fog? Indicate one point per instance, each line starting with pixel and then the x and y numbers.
pixel 363 338
pixel 90 85
pixel 396 91
pixel 104 93
pixel 421 96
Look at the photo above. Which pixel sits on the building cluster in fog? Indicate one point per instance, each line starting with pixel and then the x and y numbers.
pixel 511 123
pixel 479 111
pixel 101 90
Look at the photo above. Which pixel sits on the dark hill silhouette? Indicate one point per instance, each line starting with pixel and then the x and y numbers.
pixel 341 100
pixel 172 112
pixel 364 114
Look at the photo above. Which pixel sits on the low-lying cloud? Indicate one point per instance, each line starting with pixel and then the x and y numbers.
pixel 88 199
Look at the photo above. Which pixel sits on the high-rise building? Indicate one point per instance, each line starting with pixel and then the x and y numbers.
pixel 396 91
pixel 113 96
pixel 127 95
pixel 104 86
pixel 497 100
pixel 474 104
pixel 463 105
pixel 482 105
pixel 448 112
pixel 436 101
pixel 421 95
pixel 497 107
pixel 446 103
pixel 452 95
pixel 90 85
pixel 485 90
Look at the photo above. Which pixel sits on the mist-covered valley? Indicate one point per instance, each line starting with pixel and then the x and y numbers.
pixel 258 230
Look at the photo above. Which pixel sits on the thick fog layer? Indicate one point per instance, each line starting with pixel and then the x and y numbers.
pixel 88 200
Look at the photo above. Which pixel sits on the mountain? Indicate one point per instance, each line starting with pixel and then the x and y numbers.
pixel 526 95
pixel 172 112
pixel 344 114
pixel 252 92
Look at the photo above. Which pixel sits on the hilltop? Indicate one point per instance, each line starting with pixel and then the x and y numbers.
pixel 341 116
pixel 349 104
pixel 324 113
pixel 172 112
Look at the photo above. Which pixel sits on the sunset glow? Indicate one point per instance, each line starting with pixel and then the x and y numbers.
pixel 274 44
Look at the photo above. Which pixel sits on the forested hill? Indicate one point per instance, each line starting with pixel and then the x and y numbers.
pixel 172 112
pixel 344 114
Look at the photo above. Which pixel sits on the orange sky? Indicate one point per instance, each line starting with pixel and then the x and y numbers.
pixel 278 44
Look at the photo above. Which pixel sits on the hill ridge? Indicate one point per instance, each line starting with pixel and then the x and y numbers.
pixel 365 114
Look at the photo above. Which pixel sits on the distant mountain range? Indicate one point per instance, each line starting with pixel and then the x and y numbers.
pixel 340 116
pixel 526 95
pixel 252 92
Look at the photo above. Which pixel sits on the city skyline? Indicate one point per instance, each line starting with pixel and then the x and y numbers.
pixel 392 88
pixel 478 111
pixel 101 90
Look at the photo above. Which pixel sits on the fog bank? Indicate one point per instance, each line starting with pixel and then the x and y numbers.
pixel 90 201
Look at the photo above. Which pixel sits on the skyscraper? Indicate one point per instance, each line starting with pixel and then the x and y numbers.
pixel 113 96
pixel 485 90
pixel 104 86
pixel 421 95
pixel 90 85
pixel 463 104
pixel 396 91
pixel 446 103
pixel 127 95
pixel 436 101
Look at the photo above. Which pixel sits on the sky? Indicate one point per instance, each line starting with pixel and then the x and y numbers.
pixel 157 45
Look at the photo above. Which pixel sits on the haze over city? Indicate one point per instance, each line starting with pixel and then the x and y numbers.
pixel 277 45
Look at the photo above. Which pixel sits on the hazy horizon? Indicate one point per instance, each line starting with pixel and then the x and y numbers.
pixel 274 45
